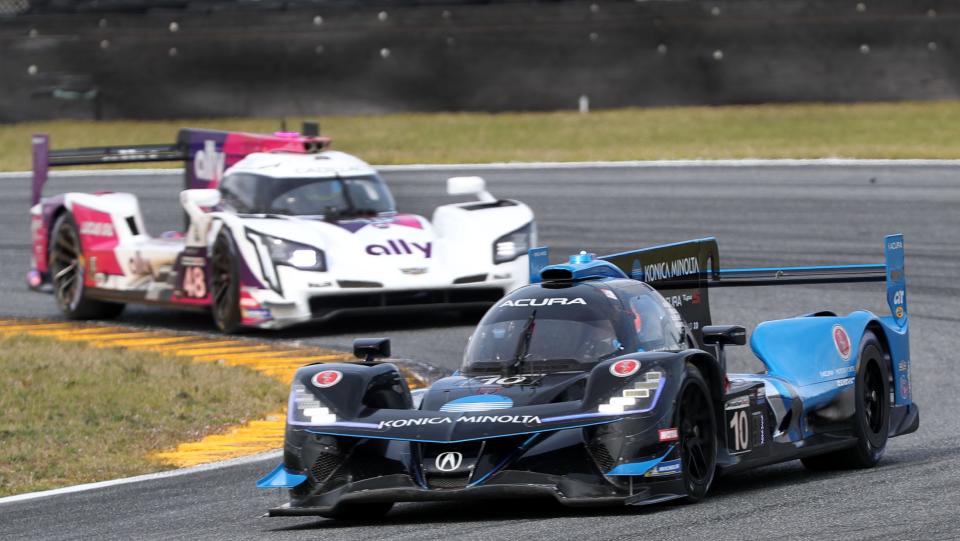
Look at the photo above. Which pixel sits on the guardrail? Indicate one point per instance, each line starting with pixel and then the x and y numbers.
pixel 335 58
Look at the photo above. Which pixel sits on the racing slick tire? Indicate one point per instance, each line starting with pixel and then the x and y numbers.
pixel 67 274
pixel 697 424
pixel 356 512
pixel 871 424
pixel 225 280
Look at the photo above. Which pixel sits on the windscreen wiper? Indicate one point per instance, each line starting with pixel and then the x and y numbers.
pixel 522 346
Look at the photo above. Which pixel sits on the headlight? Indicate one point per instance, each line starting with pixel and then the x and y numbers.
pixel 304 408
pixel 293 254
pixel 639 397
pixel 514 244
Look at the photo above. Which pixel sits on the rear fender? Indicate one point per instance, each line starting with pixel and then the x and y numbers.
pixel 811 350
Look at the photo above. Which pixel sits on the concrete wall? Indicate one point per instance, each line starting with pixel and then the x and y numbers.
pixel 491 57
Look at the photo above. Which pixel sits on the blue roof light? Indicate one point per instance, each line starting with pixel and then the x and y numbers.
pixel 581 266
pixel 581 258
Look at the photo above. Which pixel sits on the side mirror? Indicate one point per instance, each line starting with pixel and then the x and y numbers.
pixel 469 186
pixel 724 335
pixel 370 349
pixel 200 197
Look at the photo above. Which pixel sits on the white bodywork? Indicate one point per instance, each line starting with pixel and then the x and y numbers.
pixel 446 258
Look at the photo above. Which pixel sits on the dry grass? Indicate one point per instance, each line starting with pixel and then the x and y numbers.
pixel 872 130
pixel 70 413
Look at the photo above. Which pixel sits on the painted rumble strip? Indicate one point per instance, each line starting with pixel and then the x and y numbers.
pixel 277 361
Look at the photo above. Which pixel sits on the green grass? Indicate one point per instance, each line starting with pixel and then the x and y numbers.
pixel 74 414
pixel 870 130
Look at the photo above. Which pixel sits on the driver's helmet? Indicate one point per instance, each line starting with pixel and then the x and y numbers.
pixel 597 340
pixel 648 322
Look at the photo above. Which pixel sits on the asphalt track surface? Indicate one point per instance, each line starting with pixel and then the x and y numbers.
pixel 761 215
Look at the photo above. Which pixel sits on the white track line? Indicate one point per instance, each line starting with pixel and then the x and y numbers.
pixel 140 478
pixel 635 164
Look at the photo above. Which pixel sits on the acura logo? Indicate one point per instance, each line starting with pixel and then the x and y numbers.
pixel 449 461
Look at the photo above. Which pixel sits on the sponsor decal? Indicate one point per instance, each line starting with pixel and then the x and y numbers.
pixel 97 229
pixel 327 378
pixel 636 270
pixel 842 341
pixel 902 366
pixel 401 247
pixel 904 388
pixel 208 164
pixel 625 368
pixel 481 402
pixel 895 245
pixel 844 382
pixel 668 434
pixel 449 461
pixel 737 403
pixel 414 270
pixel 546 301
pixel 473 419
pixel 678 268
pixel 667 467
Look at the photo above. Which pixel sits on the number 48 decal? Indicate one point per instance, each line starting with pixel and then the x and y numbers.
pixel 195 282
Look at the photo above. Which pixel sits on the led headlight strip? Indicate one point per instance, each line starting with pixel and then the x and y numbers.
pixel 639 396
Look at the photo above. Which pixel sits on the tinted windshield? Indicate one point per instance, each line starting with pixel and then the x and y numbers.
pixel 255 194
pixel 539 329
pixel 547 330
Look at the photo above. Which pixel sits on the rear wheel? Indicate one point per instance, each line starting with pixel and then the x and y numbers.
pixel 871 423
pixel 225 280
pixel 697 425
pixel 67 275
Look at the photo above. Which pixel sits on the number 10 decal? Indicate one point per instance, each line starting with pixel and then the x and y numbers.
pixel 740 425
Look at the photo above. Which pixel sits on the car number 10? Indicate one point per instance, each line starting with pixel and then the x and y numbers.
pixel 740 424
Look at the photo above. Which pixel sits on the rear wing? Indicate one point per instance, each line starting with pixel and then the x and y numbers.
pixel 205 153
pixel 684 273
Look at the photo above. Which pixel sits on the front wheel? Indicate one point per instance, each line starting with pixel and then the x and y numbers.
pixel 697 425
pixel 225 280
pixel 871 423
pixel 67 274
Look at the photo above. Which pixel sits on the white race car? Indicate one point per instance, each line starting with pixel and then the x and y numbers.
pixel 281 231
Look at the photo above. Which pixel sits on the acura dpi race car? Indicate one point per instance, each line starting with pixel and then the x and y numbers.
pixel 280 231
pixel 606 383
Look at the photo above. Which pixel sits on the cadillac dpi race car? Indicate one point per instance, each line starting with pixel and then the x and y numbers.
pixel 280 231
pixel 606 383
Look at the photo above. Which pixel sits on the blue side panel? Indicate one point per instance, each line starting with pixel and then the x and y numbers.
pixel 280 477
pixel 804 350
pixel 538 259
pixel 638 468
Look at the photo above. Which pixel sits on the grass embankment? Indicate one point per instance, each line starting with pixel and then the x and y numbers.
pixel 871 130
pixel 71 413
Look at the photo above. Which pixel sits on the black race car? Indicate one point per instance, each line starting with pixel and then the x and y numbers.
pixel 593 387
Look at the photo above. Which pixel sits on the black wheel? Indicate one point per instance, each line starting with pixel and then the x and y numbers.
pixel 871 423
pixel 357 512
pixel 225 280
pixel 67 275
pixel 697 424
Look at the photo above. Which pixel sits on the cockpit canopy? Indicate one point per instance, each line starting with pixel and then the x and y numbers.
pixel 554 327
pixel 330 197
